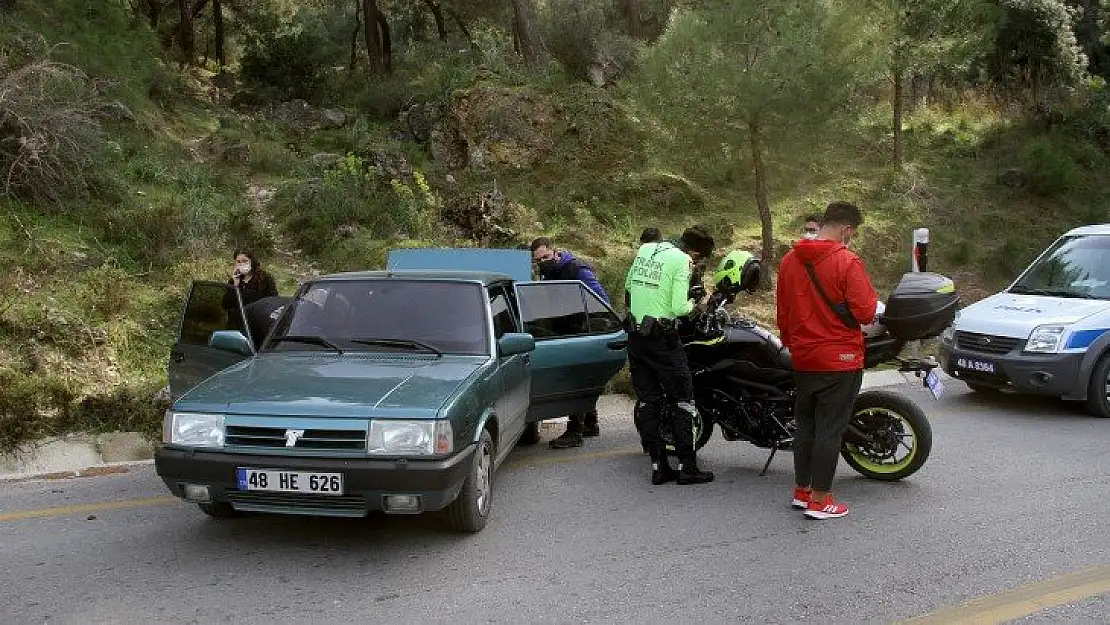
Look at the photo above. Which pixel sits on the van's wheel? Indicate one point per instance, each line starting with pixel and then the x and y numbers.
pixel 470 510
pixel 982 388
pixel 218 509
pixel 1098 392
pixel 531 434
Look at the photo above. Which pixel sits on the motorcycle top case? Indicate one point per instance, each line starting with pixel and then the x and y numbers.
pixel 921 306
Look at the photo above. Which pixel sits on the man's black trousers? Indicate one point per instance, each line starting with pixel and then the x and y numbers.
pixel 661 374
pixel 822 411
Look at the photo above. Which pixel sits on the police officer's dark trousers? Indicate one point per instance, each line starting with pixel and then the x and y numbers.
pixel 660 373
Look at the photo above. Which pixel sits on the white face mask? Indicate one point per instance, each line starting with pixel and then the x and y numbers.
pixel 243 268
pixel 809 236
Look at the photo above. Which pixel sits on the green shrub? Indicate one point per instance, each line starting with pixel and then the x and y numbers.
pixel 32 405
pixel 355 196
pixel 577 35
pixel 1051 169
pixel 287 62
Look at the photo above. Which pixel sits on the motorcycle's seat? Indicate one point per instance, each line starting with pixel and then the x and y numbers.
pixel 784 360
pixel 765 375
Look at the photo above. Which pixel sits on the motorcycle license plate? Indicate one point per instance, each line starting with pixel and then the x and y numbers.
pixel 933 383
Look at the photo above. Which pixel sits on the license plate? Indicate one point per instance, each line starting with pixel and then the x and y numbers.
pixel 279 481
pixel 979 366
pixel 933 383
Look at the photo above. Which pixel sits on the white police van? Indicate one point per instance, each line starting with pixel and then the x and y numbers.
pixel 1048 333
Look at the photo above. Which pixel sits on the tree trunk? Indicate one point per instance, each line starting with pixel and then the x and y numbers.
pixel 386 40
pixel 463 29
pixel 153 12
pixel 632 18
pixel 897 104
pixel 373 38
pixel 761 201
pixel 221 39
pixel 185 35
pixel 528 38
pixel 354 36
pixel 437 14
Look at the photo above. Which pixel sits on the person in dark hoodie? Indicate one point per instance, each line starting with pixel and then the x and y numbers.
pixel 560 264
pixel 823 296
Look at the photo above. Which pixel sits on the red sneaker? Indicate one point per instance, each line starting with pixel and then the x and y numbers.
pixel 801 497
pixel 827 509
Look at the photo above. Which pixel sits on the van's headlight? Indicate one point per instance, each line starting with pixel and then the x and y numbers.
pixel 949 334
pixel 193 429
pixel 1045 339
pixel 389 437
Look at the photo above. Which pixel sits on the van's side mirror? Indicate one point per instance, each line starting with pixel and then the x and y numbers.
pixel 515 343
pixel 231 341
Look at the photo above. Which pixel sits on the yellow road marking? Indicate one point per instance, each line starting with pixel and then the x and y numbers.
pixel 104 506
pixel 83 508
pixel 1023 600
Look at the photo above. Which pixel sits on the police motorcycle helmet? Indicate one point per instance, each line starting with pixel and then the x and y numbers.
pixel 738 271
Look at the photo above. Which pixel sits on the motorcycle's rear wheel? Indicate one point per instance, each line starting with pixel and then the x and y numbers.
pixel 897 437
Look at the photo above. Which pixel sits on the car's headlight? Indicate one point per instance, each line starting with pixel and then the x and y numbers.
pixel 1045 339
pixel 410 438
pixel 193 429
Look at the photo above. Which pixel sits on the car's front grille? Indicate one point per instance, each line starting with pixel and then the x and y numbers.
pixel 986 343
pixel 267 437
pixel 292 503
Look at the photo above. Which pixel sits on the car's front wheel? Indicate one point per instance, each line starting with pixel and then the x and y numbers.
pixel 470 510
pixel 218 509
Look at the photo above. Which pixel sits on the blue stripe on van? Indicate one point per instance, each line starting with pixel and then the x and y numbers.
pixel 1084 338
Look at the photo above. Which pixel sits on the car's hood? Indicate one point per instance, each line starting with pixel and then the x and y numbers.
pixel 327 385
pixel 1009 314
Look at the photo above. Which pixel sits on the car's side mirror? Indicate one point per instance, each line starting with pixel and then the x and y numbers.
pixel 231 341
pixel 515 343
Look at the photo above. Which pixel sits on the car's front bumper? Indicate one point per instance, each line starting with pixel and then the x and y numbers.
pixel 366 482
pixel 1055 375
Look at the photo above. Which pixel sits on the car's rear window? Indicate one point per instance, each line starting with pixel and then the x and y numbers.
pixel 351 314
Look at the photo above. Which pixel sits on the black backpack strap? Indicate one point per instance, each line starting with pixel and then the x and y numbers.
pixel 840 310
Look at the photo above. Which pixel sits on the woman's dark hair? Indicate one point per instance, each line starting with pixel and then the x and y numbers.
pixel 256 267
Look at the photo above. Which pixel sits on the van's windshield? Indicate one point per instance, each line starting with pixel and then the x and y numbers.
pixel 1077 266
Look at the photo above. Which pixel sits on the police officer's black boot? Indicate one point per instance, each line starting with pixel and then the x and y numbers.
pixel 661 471
pixel 689 473
pixel 572 437
pixel 589 424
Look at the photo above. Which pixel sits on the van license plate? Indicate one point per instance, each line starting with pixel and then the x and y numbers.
pixel 933 383
pixel 979 366
pixel 279 481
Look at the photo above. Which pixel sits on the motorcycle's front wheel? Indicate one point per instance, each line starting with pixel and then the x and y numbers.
pixel 703 431
pixel 889 437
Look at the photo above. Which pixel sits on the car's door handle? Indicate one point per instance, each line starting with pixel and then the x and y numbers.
pixel 617 344
pixel 177 356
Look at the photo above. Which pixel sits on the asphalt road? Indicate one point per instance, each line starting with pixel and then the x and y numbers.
pixel 1013 494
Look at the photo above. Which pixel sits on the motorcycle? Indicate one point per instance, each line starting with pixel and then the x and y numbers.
pixel 744 382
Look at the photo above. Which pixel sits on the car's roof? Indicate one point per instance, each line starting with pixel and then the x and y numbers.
pixel 485 277
pixel 1089 230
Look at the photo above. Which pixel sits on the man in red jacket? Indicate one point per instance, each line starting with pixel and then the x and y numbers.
pixel 823 296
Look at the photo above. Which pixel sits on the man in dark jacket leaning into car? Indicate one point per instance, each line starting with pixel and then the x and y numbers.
pixel 559 264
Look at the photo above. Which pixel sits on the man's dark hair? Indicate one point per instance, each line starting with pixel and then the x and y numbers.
pixel 813 217
pixel 651 235
pixel 697 239
pixel 542 242
pixel 842 214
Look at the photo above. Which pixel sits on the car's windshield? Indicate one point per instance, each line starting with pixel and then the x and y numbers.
pixel 389 315
pixel 1077 266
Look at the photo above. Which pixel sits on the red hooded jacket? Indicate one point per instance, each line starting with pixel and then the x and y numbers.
pixel 817 339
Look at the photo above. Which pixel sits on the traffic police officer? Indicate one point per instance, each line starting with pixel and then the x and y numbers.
pixel 657 292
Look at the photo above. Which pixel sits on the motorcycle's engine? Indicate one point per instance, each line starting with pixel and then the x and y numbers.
pixel 747 417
